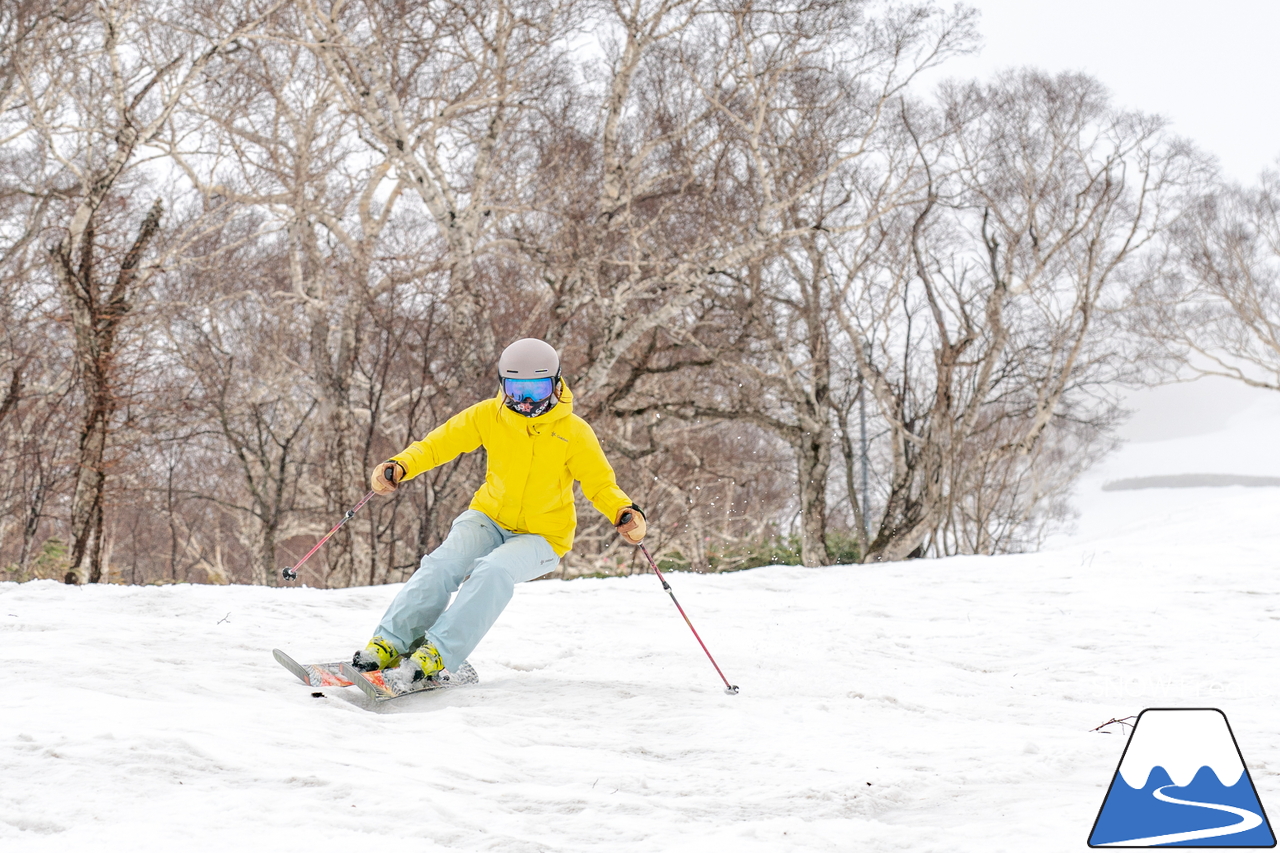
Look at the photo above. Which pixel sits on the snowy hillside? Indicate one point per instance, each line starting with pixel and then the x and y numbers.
pixel 926 706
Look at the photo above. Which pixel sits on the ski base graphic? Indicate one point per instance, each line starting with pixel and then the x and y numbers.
pixel 313 674
pixel 379 690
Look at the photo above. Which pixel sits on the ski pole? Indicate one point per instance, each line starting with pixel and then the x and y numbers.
pixel 731 689
pixel 290 573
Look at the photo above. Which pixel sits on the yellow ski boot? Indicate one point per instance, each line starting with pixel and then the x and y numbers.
pixel 423 663
pixel 379 654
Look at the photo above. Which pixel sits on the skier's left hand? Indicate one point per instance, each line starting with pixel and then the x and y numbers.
pixel 631 524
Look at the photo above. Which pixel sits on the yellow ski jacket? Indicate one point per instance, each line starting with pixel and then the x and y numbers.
pixel 528 486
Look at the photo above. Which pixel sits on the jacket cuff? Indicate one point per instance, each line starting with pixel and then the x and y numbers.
pixel 618 512
pixel 409 473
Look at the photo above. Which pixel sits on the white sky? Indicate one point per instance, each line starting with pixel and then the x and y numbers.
pixel 1213 69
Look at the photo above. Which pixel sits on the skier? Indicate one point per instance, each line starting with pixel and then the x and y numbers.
pixel 519 525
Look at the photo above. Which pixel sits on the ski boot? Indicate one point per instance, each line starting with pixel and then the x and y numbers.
pixel 423 663
pixel 379 654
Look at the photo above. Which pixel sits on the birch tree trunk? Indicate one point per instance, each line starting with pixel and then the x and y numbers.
pixel 96 318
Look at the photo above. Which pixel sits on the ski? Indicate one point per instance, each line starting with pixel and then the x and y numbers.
pixel 313 674
pixel 377 689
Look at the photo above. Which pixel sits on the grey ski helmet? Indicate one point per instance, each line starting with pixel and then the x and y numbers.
pixel 529 371
pixel 529 358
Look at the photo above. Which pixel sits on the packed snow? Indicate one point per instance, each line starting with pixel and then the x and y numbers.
pixel 936 705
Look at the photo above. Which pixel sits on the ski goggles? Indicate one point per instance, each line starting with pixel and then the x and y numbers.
pixel 536 390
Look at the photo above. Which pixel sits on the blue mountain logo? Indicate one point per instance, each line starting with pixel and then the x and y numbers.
pixel 1182 783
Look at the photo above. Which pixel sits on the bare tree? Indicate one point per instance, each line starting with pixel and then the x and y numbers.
pixel 1211 303
pixel 248 251
pixel 34 376
pixel 279 139
pixel 97 91
pixel 778 127
pixel 239 360
pixel 448 94
pixel 981 336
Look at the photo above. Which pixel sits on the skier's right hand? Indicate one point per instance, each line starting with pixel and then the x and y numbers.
pixel 381 483
pixel 630 524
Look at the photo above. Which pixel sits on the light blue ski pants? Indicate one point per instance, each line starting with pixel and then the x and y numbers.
pixel 490 560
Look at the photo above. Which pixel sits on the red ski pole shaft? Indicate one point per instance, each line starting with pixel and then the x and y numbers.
pixel 728 688
pixel 290 573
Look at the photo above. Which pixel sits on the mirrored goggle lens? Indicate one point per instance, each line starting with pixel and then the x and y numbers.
pixel 536 390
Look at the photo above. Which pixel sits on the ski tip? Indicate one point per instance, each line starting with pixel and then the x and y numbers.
pixel 366 686
pixel 292 665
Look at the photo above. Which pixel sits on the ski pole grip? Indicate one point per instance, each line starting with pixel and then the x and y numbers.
pixel 389 474
pixel 624 518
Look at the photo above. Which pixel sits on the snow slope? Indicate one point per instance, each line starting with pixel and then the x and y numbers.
pixel 926 706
